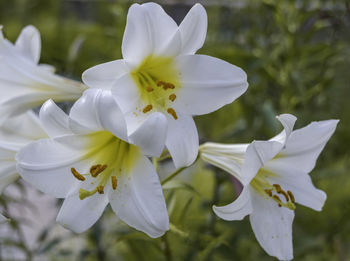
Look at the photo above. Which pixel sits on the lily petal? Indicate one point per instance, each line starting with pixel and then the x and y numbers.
pixel 29 43
pixel 182 140
pixel 150 136
pixel 238 209
pixel 225 156
pixel 258 152
pixel 79 215
pixel 193 29
pixel 139 201
pixel 148 30
pixel 8 174
pixel 305 145
pixel 54 120
pixel 103 76
pixel 288 121
pixel 208 84
pixel 272 227
pixel 47 163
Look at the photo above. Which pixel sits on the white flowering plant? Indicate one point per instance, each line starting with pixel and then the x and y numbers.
pixel 129 141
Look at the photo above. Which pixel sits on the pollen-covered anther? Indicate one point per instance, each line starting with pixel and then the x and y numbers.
pixel 268 192
pixel 160 83
pixel 147 108
pixel 172 97
pixel 291 196
pixel 97 169
pixel 172 112
pixel 168 85
pixel 77 175
pixel 284 194
pixel 100 189
pixel 114 182
pixel 277 188
pixel 149 89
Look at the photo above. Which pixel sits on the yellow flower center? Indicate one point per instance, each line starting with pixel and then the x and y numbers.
pixel 110 156
pixel 275 192
pixel 157 80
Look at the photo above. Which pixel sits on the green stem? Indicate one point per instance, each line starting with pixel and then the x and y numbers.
pixel 167 251
pixel 155 163
pixel 172 175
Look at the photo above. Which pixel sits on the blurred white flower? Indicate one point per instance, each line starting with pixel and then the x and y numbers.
pixel 23 83
pixel 14 135
pixel 89 161
pixel 274 174
pixel 160 73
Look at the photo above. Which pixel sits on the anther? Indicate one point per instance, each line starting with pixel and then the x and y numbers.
pixel 172 112
pixel 268 192
pixel 100 189
pixel 172 97
pixel 97 169
pixel 291 196
pixel 77 175
pixel 277 187
pixel 149 89
pixel 147 108
pixel 277 198
pixel 114 182
pixel 284 194
pixel 160 83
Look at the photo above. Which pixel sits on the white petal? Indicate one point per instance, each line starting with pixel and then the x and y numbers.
pixel 288 121
pixel 139 201
pixel 272 226
pixel 8 173
pixel 207 84
pixel 148 30
pixel 54 120
pixel 22 129
pixel 3 219
pixel 182 140
pixel 305 145
pixel 29 43
pixel 193 29
pixel 47 163
pixel 79 215
pixel 150 136
pixel 298 182
pixel 103 76
pixel 238 209
pixel 225 156
pixel 258 152
pixel 110 115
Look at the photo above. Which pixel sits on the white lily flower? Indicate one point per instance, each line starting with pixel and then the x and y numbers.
pixel 161 73
pixel 89 161
pixel 25 84
pixel 274 174
pixel 14 135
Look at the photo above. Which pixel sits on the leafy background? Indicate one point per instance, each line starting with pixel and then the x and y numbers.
pixel 296 55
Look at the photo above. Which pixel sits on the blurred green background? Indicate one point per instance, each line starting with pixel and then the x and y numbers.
pixel 296 55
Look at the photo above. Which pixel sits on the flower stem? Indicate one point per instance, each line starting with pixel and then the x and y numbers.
pixel 172 175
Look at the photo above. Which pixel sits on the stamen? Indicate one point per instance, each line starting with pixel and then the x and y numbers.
pixel 277 198
pixel 172 112
pixel 160 83
pixel 277 187
pixel 147 108
pixel 284 194
pixel 85 193
pixel 100 189
pixel 114 182
pixel 172 97
pixel 291 196
pixel 149 89
pixel 77 175
pixel 268 192
pixel 97 169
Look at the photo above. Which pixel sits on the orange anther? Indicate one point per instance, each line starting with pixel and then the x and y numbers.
pixel 172 97
pixel 149 89
pixel 147 108
pixel 77 175
pixel 172 112
pixel 100 189
pixel 114 182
